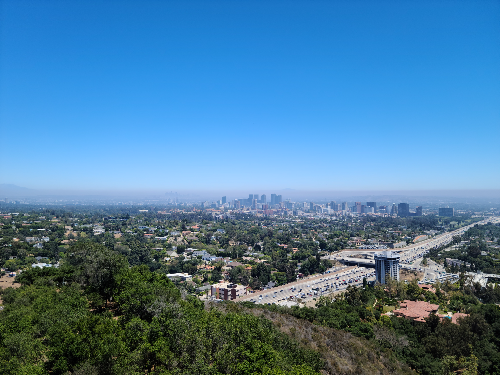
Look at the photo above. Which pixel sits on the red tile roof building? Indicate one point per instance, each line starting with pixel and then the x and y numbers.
pixel 419 310
pixel 415 309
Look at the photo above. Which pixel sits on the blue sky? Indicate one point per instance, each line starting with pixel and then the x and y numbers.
pixel 312 95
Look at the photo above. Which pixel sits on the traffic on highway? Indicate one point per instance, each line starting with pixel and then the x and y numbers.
pixel 333 280
pixel 411 257
pixel 337 279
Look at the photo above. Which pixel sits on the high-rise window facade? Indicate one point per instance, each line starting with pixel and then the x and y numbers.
pixel 446 212
pixel 403 210
pixel 386 266
pixel 372 204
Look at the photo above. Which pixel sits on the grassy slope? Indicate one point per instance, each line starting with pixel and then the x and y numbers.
pixel 343 353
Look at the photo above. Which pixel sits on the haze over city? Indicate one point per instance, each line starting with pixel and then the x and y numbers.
pixel 250 187
pixel 104 97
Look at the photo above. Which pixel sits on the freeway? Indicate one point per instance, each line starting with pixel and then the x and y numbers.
pixel 335 279
pixel 412 255
pixel 442 239
pixel 412 252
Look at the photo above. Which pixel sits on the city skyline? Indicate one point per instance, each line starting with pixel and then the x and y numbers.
pixel 214 96
pixel 11 190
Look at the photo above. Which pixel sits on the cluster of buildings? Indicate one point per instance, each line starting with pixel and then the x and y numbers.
pixel 387 266
pixel 403 210
pixel 259 204
pixel 456 263
pixel 254 202
pixel 38 242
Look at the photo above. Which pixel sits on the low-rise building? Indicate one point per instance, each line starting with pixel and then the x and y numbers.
pixel 200 253
pixel 418 311
pixel 41 265
pixel 231 265
pixel 180 276
pixel 415 310
pixel 228 291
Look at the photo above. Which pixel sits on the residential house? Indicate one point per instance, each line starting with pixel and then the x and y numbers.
pixel 419 310
pixel 180 275
pixel 41 265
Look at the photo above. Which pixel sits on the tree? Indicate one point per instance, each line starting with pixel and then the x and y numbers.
pixel 462 365
pixel 97 267
pixel 262 272
pixel 11 265
pixel 144 294
pixel 474 250
pixel 215 276
pixel 279 278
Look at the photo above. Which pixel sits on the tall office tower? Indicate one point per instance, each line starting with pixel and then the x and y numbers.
pixel 403 210
pixel 250 197
pixel 263 198
pixel 418 211
pixel 367 209
pixel 254 204
pixel 311 206
pixel 394 209
pixel 333 205
pixel 386 266
pixel 279 198
pixel 273 199
pixel 358 207
pixel 372 204
pixel 447 212
pixel 224 199
pixel 344 206
pixel 237 204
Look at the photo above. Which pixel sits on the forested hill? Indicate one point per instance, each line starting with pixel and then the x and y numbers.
pixel 96 315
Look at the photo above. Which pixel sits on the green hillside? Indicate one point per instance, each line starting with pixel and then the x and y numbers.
pixel 95 315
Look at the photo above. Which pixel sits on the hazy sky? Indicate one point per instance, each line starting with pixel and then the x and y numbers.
pixel 314 95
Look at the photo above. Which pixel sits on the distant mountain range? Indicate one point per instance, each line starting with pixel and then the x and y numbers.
pixel 12 187
pixel 11 190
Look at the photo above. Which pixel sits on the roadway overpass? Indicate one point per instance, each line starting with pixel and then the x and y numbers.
pixel 418 249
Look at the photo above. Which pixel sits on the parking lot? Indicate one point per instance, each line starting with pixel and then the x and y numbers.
pixel 334 280
pixel 337 279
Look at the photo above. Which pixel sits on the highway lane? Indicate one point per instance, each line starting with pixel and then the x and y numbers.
pixel 412 255
pixel 307 289
pixel 337 279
